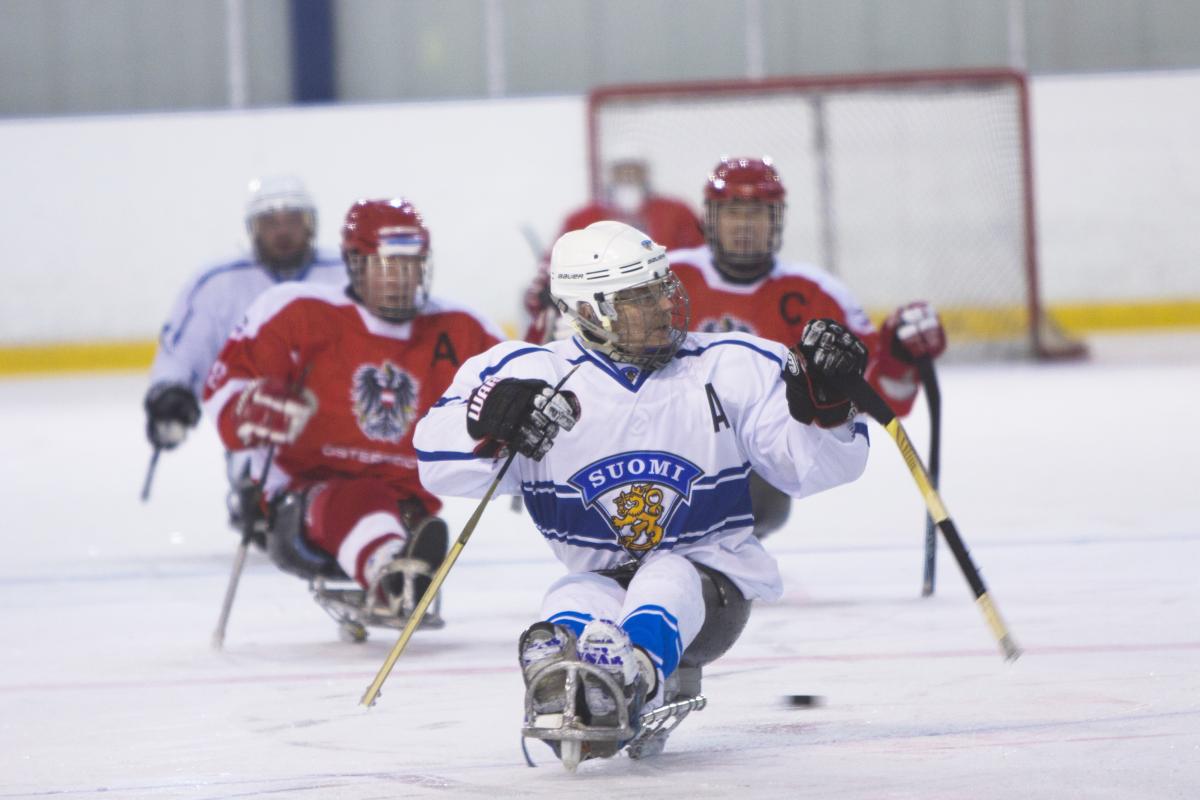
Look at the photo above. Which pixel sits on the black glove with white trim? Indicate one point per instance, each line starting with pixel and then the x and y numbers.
pixel 171 409
pixel 521 414
pixel 826 361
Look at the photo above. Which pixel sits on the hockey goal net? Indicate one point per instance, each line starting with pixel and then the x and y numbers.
pixel 906 186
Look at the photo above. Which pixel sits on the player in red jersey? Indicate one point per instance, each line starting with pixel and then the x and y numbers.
pixel 736 283
pixel 336 379
pixel 628 199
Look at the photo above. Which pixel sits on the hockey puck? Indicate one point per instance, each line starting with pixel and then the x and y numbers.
pixel 804 700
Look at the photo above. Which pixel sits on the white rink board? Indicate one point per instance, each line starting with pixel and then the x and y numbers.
pixel 1082 520
pixel 108 216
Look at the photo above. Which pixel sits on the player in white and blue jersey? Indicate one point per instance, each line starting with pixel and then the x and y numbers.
pixel 281 222
pixel 645 495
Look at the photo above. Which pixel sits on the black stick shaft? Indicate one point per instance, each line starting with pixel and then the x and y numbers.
pixel 239 558
pixel 150 474
pixel 933 398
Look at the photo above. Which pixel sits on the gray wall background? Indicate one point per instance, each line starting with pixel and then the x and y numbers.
pixel 67 57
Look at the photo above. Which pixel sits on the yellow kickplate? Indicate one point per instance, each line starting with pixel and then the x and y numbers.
pixel 79 357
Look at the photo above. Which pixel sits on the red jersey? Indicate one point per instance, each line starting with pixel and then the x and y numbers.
pixel 668 222
pixel 372 379
pixel 778 305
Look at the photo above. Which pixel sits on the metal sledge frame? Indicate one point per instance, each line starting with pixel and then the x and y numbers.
pixel 647 738
pixel 355 609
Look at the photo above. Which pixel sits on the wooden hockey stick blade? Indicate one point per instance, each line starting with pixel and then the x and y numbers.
pixel 372 694
pixel 869 401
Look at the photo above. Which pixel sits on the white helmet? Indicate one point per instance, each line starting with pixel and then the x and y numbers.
pixel 284 252
pixel 615 286
pixel 278 193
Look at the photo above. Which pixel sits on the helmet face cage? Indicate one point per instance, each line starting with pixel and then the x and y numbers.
pixel 393 287
pixel 385 245
pixel 642 325
pixel 743 240
pixel 743 208
pixel 282 238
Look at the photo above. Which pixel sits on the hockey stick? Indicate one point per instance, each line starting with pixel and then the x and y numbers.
pixel 868 400
pixel 248 520
pixel 150 473
pixel 544 322
pixel 545 318
pixel 372 694
pixel 239 559
pixel 933 398
pixel 534 242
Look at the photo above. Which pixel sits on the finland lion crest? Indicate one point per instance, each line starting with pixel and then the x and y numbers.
pixel 385 401
pixel 638 513
pixel 638 493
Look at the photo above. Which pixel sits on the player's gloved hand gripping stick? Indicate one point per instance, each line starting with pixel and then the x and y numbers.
pixel 825 387
pixel 171 409
pixel 272 413
pixel 540 415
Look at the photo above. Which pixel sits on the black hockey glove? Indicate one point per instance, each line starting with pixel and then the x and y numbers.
pixel 525 414
pixel 826 360
pixel 171 409
pixel 252 517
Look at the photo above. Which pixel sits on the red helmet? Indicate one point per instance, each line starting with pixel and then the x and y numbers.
pixel 395 224
pixel 385 245
pixel 743 203
pixel 744 179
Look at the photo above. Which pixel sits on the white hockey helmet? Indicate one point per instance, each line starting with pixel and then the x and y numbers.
pixel 616 287
pixel 278 193
pixel 281 241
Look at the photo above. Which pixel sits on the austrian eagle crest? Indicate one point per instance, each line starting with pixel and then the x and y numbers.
pixel 385 401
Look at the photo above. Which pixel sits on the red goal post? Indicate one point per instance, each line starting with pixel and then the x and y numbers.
pixel 907 186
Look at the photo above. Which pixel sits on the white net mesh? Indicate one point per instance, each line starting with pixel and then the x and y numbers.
pixel 906 188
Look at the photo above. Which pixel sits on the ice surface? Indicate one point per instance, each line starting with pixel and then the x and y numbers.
pixel 1075 486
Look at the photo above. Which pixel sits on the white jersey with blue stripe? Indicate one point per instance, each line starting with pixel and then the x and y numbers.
pixel 211 304
pixel 658 461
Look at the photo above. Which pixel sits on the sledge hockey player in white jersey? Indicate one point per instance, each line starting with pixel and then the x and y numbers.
pixel 281 221
pixel 636 472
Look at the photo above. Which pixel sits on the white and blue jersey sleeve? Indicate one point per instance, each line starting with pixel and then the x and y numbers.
pixel 658 461
pixel 800 460
pixel 208 308
pixel 444 448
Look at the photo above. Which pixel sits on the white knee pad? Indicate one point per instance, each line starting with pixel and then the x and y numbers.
pixel 582 593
